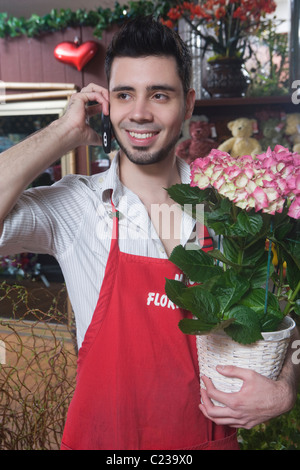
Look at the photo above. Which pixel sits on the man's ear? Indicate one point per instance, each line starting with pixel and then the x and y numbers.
pixel 189 103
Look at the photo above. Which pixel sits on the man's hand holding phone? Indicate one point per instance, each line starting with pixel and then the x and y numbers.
pixel 79 111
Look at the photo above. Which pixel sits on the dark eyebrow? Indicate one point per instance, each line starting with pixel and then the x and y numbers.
pixel 123 88
pixel 149 88
pixel 161 88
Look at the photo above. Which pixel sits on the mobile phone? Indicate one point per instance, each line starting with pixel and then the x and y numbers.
pixel 106 133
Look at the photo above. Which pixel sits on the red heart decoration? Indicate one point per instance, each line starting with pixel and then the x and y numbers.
pixel 70 53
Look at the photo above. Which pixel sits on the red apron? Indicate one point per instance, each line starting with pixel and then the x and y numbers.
pixel 138 376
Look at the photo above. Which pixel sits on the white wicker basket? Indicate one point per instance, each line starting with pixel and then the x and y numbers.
pixel 265 356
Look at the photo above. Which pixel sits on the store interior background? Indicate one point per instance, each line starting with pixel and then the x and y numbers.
pixel 17 8
pixel 87 161
pixel 36 320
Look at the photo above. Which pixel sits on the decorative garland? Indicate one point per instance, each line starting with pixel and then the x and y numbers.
pixel 100 19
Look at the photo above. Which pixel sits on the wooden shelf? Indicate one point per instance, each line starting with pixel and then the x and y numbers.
pixel 226 109
pixel 259 100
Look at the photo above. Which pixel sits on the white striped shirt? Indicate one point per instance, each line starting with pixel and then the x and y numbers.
pixel 72 221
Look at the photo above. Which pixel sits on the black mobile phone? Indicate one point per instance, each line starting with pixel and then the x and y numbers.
pixel 106 133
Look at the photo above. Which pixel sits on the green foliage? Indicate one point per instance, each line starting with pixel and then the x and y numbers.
pixel 231 297
pixel 100 19
pixel 272 77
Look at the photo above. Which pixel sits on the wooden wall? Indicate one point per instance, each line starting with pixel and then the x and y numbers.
pixel 25 59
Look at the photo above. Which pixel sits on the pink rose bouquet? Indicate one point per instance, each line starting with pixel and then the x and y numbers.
pixel 250 203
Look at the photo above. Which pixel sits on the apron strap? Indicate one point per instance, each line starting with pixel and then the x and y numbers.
pixel 115 215
pixel 207 241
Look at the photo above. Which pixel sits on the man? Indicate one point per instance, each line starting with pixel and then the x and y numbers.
pixel 137 383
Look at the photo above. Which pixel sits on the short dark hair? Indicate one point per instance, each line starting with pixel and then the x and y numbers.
pixel 145 36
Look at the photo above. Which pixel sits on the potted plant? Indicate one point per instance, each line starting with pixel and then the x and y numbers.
pixel 252 204
pixel 224 28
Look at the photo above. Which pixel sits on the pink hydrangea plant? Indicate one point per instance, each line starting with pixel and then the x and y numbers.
pixel 250 203
pixel 264 182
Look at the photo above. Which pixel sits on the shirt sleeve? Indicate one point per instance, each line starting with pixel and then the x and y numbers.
pixel 44 220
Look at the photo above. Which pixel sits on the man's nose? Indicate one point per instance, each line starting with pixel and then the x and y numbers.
pixel 141 110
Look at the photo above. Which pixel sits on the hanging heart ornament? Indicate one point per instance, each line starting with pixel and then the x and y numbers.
pixel 78 55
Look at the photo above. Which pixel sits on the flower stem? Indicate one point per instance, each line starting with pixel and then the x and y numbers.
pixel 240 257
pixel 268 277
pixel 291 300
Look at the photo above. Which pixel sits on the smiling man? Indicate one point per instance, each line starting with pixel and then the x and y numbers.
pixel 138 378
pixel 149 111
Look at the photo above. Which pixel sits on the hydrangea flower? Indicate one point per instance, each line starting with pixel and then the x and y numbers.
pixel 265 182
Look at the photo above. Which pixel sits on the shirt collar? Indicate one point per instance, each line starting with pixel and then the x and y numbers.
pixel 113 185
pixel 112 188
pixel 184 171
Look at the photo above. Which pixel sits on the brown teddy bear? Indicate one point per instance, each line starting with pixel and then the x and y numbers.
pixel 200 143
pixel 241 143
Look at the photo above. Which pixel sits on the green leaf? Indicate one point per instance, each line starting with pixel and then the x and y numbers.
pixel 201 303
pixel 282 231
pixel 270 322
pixel 293 270
pixel 220 228
pixel 246 328
pixel 297 307
pixel 199 327
pixel 223 213
pixel 257 274
pixel 195 264
pixel 190 326
pixel 249 223
pixel 256 300
pixel 251 254
pixel 218 255
pixel 186 194
pixel 229 289
pixel 255 253
pixel 230 250
pixel 174 290
pixel 290 247
pixel 223 324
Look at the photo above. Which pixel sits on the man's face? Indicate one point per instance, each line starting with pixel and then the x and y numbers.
pixel 147 107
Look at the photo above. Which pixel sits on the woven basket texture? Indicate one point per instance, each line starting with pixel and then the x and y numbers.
pixel 265 356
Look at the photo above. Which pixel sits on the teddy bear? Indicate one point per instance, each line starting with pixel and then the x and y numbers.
pixel 292 129
pixel 199 144
pixel 241 143
pixel 273 133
